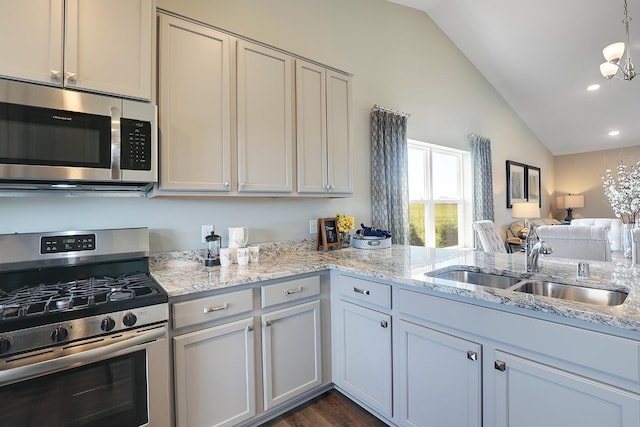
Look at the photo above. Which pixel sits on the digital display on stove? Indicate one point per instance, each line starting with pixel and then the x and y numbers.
pixel 56 244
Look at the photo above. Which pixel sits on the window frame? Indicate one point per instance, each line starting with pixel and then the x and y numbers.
pixel 464 189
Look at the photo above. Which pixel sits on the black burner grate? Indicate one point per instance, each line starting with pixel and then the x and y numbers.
pixel 81 294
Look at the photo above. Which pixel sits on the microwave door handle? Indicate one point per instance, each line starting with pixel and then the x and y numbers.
pixel 116 141
pixel 81 358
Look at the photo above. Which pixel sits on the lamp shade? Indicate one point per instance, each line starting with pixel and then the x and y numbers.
pixel 525 210
pixel 572 201
pixel 608 70
pixel 613 52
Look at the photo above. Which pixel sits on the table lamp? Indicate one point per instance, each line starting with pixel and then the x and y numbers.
pixel 525 211
pixel 570 202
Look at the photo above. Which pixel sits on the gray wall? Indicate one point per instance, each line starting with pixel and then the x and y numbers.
pixel 400 59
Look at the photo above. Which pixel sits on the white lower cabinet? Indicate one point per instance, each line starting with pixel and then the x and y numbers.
pixel 530 394
pixel 292 357
pixel 215 375
pixel 533 372
pixel 364 352
pixel 438 372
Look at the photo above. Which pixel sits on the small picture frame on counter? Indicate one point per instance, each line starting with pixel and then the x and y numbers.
pixel 328 236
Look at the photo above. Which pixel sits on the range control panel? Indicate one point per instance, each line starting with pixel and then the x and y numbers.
pixel 56 244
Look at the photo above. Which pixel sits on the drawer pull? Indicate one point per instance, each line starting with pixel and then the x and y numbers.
pixel 216 308
pixel 500 365
pixel 472 355
pixel 293 291
pixel 250 328
pixel 361 291
pixel 384 323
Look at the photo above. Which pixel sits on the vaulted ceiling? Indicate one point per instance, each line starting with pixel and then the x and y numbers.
pixel 542 55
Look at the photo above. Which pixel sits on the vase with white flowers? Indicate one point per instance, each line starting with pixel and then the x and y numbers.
pixel 623 193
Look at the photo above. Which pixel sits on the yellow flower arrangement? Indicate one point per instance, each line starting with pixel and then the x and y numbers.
pixel 345 223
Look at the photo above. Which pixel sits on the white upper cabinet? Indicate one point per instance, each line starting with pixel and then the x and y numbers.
pixel 101 46
pixel 339 132
pixel 265 119
pixel 194 107
pixel 31 38
pixel 323 119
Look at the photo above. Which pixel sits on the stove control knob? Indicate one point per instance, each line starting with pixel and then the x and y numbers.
pixel 5 345
pixel 129 319
pixel 107 324
pixel 59 334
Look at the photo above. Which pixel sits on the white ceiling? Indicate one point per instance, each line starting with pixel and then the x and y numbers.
pixel 541 56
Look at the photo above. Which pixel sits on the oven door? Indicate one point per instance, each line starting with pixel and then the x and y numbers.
pixel 118 380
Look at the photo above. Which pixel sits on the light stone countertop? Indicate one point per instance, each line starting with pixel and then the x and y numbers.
pixel 184 273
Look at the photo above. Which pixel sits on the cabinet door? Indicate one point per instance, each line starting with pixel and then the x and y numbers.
pixel 265 127
pixel 339 132
pixel 439 372
pixel 292 360
pixel 365 355
pixel 109 46
pixel 31 37
pixel 215 375
pixel 194 95
pixel 311 128
pixel 532 394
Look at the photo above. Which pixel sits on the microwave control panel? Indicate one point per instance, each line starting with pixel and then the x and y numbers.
pixel 135 147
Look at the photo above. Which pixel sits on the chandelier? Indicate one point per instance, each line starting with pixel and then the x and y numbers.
pixel 613 54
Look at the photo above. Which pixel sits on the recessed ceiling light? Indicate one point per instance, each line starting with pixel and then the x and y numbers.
pixel 614 133
pixel 593 87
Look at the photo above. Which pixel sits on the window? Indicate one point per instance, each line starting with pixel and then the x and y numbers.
pixel 439 197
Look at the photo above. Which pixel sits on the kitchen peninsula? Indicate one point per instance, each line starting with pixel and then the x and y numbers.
pixel 391 336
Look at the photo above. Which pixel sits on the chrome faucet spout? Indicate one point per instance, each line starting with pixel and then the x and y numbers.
pixel 542 247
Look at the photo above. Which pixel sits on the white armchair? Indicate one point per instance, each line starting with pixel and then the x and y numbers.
pixel 577 241
pixel 613 224
pixel 490 238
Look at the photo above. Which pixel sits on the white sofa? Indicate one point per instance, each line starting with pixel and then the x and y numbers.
pixel 577 241
pixel 614 225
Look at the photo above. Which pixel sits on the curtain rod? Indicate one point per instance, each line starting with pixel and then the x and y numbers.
pixel 389 110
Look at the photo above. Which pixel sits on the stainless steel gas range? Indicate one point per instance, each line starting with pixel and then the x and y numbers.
pixel 83 330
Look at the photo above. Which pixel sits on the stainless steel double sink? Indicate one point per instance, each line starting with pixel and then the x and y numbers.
pixel 606 297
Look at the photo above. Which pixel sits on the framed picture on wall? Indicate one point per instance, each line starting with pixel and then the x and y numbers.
pixel 533 185
pixel 516 183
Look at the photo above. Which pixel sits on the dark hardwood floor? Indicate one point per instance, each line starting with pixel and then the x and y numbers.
pixel 327 410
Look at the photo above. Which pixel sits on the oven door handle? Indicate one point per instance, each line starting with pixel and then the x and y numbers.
pixel 81 358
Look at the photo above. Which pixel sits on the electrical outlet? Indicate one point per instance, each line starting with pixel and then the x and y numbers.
pixel 206 230
pixel 313 226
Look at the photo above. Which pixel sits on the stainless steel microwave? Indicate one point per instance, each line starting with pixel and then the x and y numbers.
pixel 54 138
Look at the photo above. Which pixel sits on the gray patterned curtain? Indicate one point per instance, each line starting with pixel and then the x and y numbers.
pixel 482 178
pixel 389 174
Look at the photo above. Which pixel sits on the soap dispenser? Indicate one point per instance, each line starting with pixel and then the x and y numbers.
pixel 213 249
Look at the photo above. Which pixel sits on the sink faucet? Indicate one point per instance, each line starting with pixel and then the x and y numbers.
pixel 533 254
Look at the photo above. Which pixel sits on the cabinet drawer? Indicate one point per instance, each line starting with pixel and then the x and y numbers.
pixel 211 308
pixel 369 292
pixel 291 290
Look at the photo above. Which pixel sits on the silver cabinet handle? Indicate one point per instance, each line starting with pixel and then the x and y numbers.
pixel 361 291
pixel 472 355
pixel 267 323
pixel 293 291
pixel 54 74
pixel 500 365
pixel 217 308
pixel 72 77
pixel 250 328
pixel 384 323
